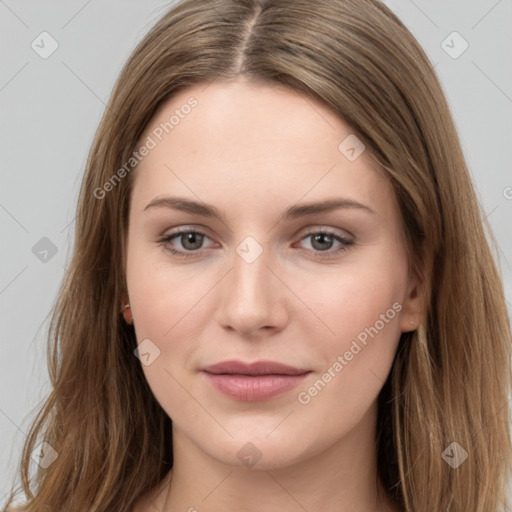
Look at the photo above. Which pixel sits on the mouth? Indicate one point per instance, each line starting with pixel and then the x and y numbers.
pixel 253 382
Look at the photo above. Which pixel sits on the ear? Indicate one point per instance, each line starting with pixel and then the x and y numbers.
pixel 413 305
pixel 126 310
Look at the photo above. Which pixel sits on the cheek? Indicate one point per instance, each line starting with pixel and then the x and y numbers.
pixel 160 293
pixel 166 307
pixel 362 309
pixel 168 311
pixel 354 298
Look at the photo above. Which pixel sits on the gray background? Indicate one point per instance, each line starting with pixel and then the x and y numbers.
pixel 51 108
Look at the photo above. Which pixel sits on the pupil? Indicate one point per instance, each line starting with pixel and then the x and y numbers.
pixel 321 236
pixel 190 237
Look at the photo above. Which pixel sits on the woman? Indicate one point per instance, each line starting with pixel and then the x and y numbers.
pixel 209 352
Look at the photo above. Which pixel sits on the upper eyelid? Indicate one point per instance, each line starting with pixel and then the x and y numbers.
pixel 306 231
pixel 302 234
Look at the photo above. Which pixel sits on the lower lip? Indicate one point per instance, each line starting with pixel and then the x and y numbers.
pixel 253 388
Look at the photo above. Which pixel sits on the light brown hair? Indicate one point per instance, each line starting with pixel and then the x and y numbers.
pixel 112 437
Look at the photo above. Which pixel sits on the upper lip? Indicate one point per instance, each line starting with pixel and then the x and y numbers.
pixel 255 368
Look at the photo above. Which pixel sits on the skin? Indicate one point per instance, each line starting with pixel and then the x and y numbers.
pixel 252 151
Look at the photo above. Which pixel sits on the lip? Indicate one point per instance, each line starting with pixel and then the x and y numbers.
pixel 264 367
pixel 252 382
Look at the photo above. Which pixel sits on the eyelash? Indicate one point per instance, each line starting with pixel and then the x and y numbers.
pixel 345 243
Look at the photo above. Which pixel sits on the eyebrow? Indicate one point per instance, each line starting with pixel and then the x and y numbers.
pixel 293 212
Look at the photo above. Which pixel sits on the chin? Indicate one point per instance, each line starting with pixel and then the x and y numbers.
pixel 261 452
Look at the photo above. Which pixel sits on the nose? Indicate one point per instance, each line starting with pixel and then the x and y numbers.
pixel 254 299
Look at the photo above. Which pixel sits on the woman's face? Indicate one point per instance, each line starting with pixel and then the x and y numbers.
pixel 255 283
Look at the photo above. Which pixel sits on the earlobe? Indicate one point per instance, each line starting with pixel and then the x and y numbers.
pixel 413 307
pixel 127 314
pixel 126 311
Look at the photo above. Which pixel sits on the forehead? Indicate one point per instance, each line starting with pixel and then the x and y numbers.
pixel 254 142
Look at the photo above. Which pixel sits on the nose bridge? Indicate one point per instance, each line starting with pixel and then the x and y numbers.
pixel 250 277
pixel 251 294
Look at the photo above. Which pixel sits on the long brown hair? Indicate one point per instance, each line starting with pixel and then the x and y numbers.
pixel 112 438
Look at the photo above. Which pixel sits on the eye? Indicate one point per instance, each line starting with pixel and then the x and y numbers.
pixel 323 240
pixel 191 241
